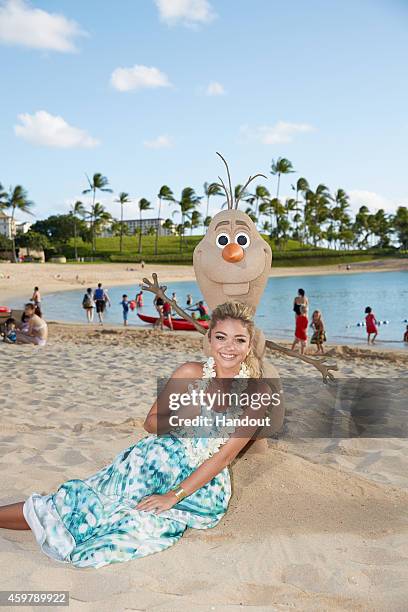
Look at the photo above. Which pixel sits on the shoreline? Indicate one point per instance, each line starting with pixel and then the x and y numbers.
pixel 17 280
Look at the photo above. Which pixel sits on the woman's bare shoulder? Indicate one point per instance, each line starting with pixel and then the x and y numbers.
pixel 190 369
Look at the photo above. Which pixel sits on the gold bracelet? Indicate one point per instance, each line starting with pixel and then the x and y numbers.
pixel 179 493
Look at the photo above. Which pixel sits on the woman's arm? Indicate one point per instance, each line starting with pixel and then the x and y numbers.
pixel 203 474
pixel 209 468
pixel 156 422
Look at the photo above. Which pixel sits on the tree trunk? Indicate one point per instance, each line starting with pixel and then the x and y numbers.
pixel 13 238
pixel 156 242
pixel 75 241
pixel 121 228
pixel 139 250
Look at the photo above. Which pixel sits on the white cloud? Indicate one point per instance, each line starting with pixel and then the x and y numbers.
pixel 44 129
pixel 21 24
pixel 138 77
pixel 215 89
pixel 282 132
pixel 187 12
pixel 161 142
pixel 373 201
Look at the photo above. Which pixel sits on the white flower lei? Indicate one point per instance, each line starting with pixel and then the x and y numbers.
pixel 198 454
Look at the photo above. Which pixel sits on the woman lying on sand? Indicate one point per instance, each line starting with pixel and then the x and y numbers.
pixel 34 329
pixel 152 491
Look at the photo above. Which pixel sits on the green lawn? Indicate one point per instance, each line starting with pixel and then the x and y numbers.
pixel 294 254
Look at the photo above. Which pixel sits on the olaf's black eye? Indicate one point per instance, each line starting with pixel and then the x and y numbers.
pixel 222 240
pixel 243 240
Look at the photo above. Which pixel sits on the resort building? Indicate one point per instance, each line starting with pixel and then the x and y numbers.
pixel 7 225
pixel 146 225
pixel 24 227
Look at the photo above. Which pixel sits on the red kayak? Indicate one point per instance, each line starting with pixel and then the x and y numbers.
pixel 5 310
pixel 179 324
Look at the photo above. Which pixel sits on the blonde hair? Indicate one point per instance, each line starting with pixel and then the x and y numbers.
pixel 238 311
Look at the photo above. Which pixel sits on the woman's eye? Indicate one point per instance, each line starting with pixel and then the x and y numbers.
pixel 220 337
pixel 222 240
pixel 243 240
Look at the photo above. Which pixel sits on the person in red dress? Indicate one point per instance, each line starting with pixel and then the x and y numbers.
pixel 371 326
pixel 301 330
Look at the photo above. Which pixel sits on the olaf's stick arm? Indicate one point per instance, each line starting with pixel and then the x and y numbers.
pixel 317 362
pixel 159 291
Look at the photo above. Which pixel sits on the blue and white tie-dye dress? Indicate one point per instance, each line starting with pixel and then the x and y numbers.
pixel 94 522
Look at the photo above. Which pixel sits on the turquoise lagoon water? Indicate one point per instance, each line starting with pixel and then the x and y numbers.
pixel 342 299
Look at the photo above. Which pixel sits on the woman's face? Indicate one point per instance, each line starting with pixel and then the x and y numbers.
pixel 229 344
pixel 28 311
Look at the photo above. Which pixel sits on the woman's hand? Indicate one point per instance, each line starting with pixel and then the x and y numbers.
pixel 157 503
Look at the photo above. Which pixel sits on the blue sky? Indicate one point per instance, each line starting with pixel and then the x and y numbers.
pixel 322 83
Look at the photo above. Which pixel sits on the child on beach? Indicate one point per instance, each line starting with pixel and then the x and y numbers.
pixel 319 334
pixel 301 330
pixel 139 299
pixel 406 335
pixel 371 326
pixel 125 306
pixel 10 335
pixel 167 314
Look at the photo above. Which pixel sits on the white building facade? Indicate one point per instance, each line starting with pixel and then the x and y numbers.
pixel 7 225
pixel 133 226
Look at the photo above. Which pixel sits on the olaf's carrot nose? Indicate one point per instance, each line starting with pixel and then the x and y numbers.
pixel 232 252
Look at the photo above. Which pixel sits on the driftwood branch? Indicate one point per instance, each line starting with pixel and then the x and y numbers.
pixel 159 291
pixel 317 362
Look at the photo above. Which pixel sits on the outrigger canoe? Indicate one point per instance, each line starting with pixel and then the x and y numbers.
pixel 179 324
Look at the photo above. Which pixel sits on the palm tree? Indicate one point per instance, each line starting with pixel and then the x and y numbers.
pixel 261 195
pixel 339 216
pixel 98 217
pixel 143 204
pixel 211 189
pixel 76 210
pixel 122 200
pixel 117 228
pixel 98 183
pixel 166 194
pixel 3 196
pixel 317 212
pixel 281 166
pixel 195 220
pixel 16 199
pixel 187 203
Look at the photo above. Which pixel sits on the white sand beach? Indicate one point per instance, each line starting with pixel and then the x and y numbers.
pixel 312 525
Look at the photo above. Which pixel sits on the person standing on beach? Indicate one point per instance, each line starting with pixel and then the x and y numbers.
pixel 371 326
pixel 139 299
pixel 158 303
pixel 301 330
pixel 88 305
pixel 36 297
pixel 125 307
pixel 300 300
pixel 101 299
pixel 319 335
pixel 167 314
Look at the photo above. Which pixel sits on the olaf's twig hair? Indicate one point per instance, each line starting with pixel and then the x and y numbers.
pixel 242 191
pixel 232 200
